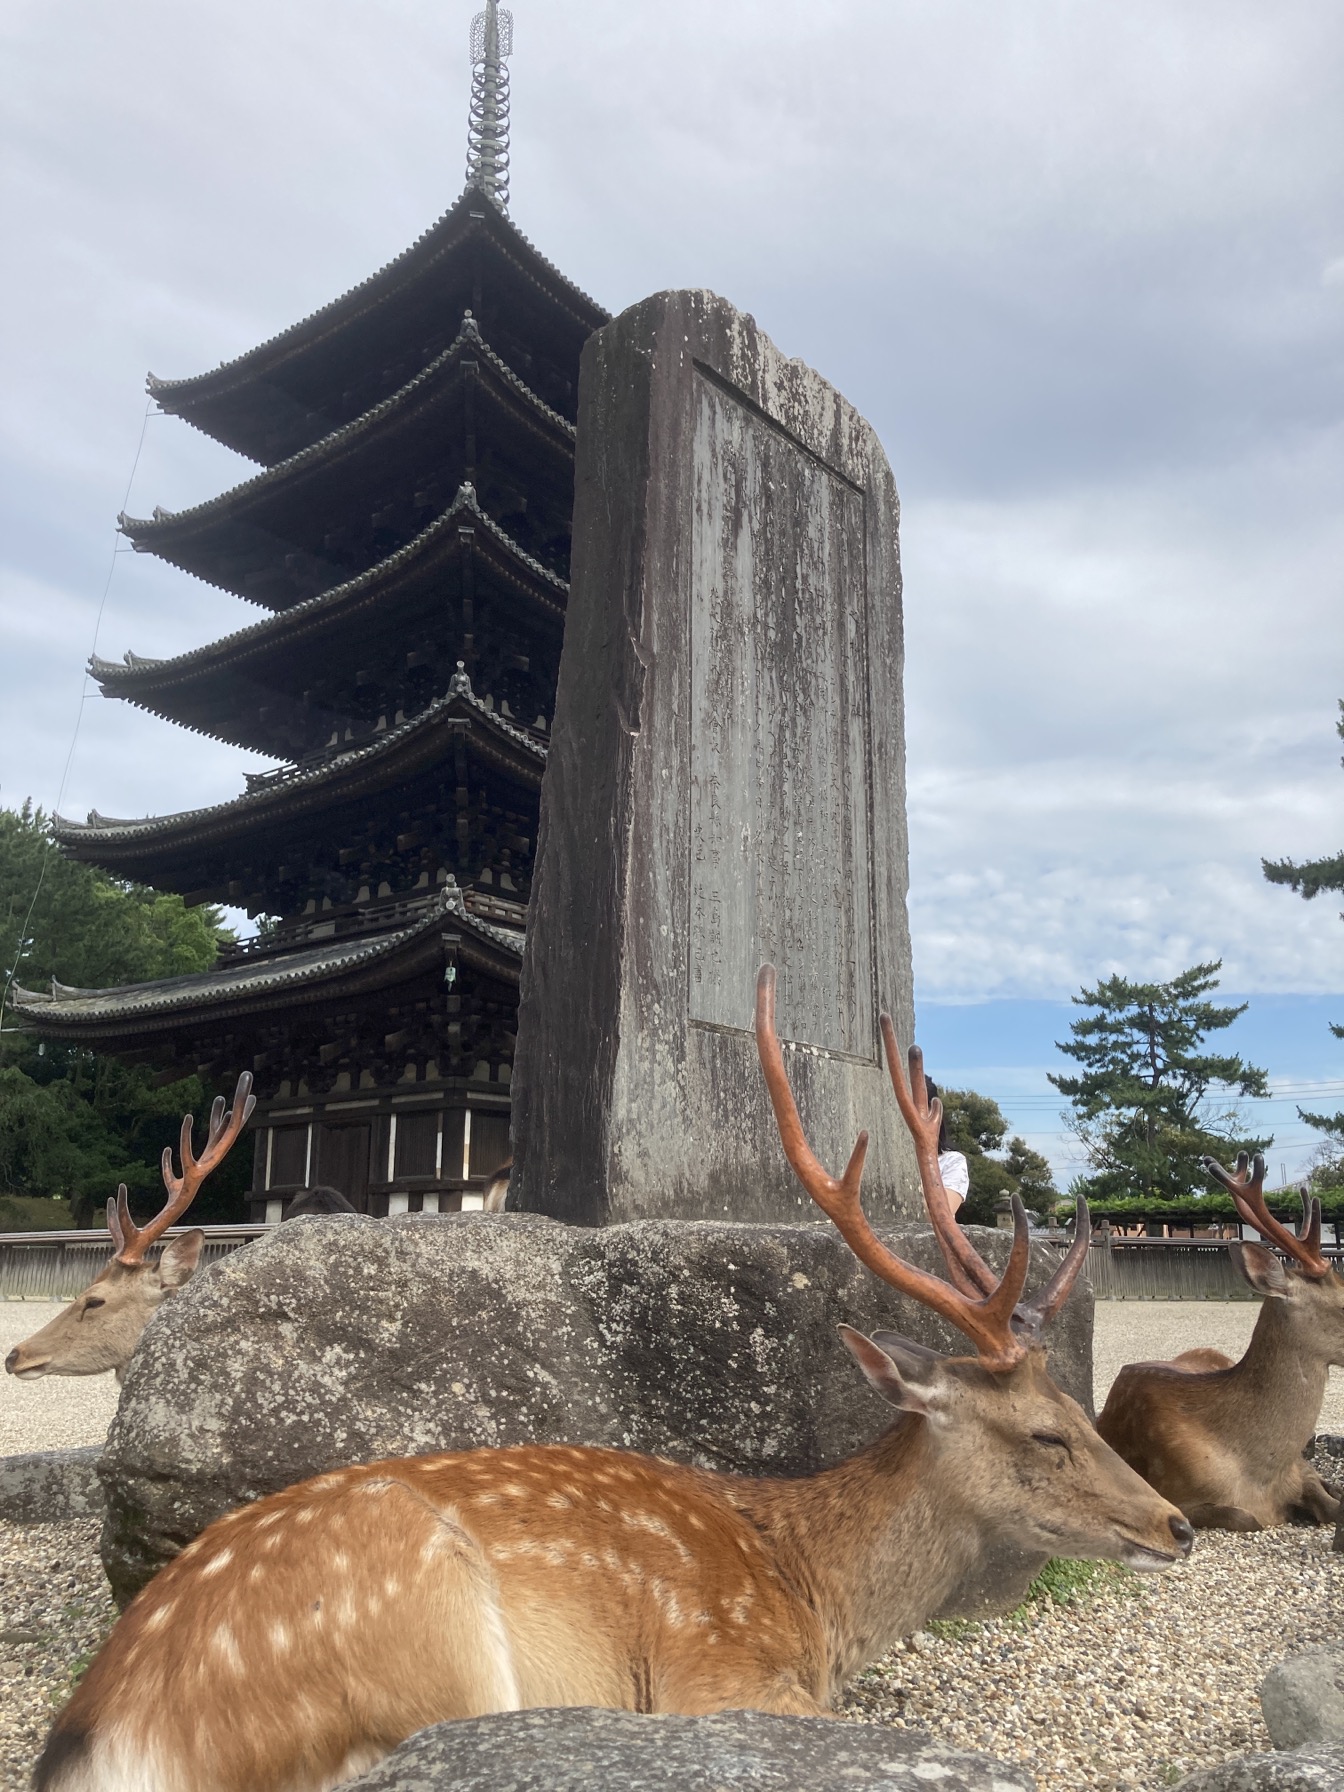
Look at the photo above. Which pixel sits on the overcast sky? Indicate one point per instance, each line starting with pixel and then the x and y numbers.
pixel 1082 266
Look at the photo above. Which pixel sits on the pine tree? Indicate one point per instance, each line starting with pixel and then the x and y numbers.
pixel 1140 1106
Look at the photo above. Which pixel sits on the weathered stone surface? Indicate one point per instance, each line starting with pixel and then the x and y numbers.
pixel 341 1340
pixel 1303 1698
pixel 580 1749
pixel 1318 1768
pixel 726 785
pixel 50 1486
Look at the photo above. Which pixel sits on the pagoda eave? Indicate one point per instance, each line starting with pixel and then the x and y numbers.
pixel 294 530
pixel 136 1015
pixel 220 689
pixel 274 399
pixel 158 849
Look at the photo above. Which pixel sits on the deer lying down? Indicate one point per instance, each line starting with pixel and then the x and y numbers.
pixel 101 1327
pixel 1224 1440
pixel 300 1639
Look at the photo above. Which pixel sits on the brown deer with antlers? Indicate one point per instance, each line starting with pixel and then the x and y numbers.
pixel 298 1640
pixel 1224 1440
pixel 101 1327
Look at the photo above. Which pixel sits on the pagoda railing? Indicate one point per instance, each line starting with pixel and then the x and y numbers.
pixel 371 917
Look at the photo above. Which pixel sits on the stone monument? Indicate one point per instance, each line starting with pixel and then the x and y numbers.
pixel 726 785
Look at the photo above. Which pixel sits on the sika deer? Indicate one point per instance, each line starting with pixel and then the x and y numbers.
pixel 101 1327
pixel 298 1640
pixel 1224 1440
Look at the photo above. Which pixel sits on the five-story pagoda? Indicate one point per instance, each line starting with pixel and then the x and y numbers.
pixel 409 536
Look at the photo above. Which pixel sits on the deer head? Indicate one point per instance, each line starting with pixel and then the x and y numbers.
pixel 1310 1291
pixel 1015 1459
pixel 101 1327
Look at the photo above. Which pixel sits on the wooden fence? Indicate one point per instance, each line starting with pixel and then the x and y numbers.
pixel 1168 1269
pixel 56 1265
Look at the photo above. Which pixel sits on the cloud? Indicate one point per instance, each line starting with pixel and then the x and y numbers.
pixel 1068 260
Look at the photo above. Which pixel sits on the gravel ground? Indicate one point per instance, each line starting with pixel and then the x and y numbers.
pixel 1140 1681
pixel 1136 1685
pixel 54 1612
pixel 59 1412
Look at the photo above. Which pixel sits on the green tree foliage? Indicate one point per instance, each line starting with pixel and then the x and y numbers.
pixel 1309 880
pixel 976 1127
pixel 74 1124
pixel 1141 1105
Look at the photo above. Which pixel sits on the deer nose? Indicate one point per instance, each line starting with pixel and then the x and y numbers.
pixel 12 1361
pixel 1184 1533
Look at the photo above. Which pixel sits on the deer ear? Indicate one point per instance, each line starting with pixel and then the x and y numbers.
pixel 912 1385
pixel 178 1260
pixel 910 1358
pixel 1261 1268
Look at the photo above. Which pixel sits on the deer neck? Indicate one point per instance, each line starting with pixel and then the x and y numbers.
pixel 1283 1370
pixel 873 1545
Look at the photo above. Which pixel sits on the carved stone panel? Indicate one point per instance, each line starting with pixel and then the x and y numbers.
pixel 726 785
pixel 779 774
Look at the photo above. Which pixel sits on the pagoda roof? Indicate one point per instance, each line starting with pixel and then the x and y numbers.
pixel 293 389
pixel 146 849
pixel 270 539
pixel 214 689
pixel 333 970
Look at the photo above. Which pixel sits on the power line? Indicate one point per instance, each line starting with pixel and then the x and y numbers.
pixel 13 970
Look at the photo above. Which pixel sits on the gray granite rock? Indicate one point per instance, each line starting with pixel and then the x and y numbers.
pixel 579 1750
pixel 349 1339
pixel 50 1486
pixel 1303 1698
pixel 1317 1768
pixel 725 785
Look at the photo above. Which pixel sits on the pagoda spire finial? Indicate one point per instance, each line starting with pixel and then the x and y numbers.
pixel 488 129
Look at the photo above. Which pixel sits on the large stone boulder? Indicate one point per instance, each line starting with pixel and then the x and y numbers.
pixel 1319 1768
pixel 341 1340
pixel 578 1750
pixel 1303 1698
pixel 51 1486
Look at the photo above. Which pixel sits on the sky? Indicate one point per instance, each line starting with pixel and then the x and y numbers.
pixel 1082 267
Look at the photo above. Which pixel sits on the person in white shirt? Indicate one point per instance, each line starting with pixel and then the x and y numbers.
pixel 952 1165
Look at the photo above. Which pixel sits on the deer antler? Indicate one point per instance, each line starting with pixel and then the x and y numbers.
pixel 133 1241
pixel 965 1265
pixel 986 1322
pixel 1247 1189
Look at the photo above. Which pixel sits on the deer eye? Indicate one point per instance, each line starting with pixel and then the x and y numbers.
pixel 1048 1437
pixel 94 1300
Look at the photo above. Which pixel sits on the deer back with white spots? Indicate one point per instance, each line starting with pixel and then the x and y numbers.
pixel 101 1327
pixel 299 1639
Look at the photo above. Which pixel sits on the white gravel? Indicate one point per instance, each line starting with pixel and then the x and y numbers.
pixel 55 1610
pixel 1133 1687
pixel 57 1412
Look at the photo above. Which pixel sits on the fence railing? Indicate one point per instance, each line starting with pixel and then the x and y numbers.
pixel 56 1265
pixel 1169 1269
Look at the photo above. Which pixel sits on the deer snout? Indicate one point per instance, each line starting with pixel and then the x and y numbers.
pixel 17 1364
pixel 1184 1533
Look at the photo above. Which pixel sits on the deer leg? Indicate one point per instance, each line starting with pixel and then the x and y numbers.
pixel 1315 1498
pixel 1207 1516
pixel 789 1699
